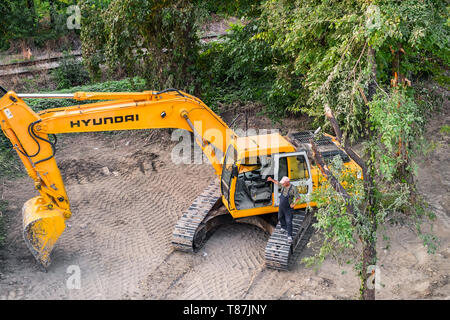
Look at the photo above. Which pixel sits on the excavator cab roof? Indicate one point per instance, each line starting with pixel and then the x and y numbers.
pixel 264 144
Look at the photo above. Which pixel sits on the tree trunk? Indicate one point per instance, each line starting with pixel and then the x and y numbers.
pixel 369 256
pixel 373 76
pixel 32 13
pixel 52 13
pixel 367 278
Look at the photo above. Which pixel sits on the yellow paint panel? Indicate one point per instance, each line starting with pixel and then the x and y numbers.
pixel 41 228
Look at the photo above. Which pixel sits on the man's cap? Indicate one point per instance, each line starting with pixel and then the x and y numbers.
pixel 284 180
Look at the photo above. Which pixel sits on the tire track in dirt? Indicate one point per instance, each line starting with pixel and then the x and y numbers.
pixel 221 271
pixel 122 223
pixel 120 236
pixel 141 203
pixel 434 169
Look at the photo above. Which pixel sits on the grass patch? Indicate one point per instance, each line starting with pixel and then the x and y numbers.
pixel 10 165
pixel 445 129
pixel 130 84
pixel 3 206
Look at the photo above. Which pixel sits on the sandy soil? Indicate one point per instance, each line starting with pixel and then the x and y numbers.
pixel 121 229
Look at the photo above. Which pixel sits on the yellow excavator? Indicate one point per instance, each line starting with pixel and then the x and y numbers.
pixel 242 164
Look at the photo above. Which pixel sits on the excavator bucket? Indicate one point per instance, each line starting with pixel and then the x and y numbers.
pixel 41 229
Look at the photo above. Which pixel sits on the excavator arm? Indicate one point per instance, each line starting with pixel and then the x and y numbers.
pixel 30 134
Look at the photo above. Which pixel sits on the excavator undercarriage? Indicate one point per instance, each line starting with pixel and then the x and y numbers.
pixel 207 213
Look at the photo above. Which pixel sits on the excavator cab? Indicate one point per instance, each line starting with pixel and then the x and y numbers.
pixel 249 162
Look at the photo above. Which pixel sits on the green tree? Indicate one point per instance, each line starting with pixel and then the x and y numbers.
pixel 356 59
pixel 231 7
pixel 154 39
pixel 236 68
pixel 32 21
pixel 19 20
pixel 322 38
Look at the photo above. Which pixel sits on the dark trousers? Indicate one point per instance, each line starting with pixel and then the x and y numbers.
pixel 285 218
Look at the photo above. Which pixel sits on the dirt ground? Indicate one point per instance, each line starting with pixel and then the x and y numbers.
pixel 123 218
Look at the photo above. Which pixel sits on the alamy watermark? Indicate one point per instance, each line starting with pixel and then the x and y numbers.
pixel 373 15
pixel 191 148
pixel 374 280
pixel 74 19
pixel 74 280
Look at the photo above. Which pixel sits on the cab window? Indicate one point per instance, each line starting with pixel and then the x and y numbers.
pixel 298 168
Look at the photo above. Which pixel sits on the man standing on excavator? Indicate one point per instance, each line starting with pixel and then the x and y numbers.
pixel 288 197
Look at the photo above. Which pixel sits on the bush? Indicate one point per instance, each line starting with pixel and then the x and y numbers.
pixel 3 205
pixel 156 40
pixel 445 129
pixel 71 72
pixel 237 68
pixel 33 22
pixel 131 84
pixel 231 7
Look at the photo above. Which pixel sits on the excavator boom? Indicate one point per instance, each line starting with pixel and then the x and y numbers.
pixel 29 132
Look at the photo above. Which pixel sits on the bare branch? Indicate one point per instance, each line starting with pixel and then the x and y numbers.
pixel 331 178
pixel 330 116
pixel 351 153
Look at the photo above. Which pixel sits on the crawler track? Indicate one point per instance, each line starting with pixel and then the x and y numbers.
pixel 278 250
pixel 206 213
pixel 197 221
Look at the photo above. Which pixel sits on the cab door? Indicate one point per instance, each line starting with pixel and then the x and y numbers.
pixel 294 165
pixel 228 168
